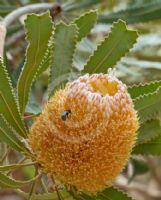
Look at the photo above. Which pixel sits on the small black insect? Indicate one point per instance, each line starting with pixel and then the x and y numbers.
pixel 65 114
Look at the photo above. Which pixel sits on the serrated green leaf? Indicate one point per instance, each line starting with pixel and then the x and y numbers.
pixel 8 182
pixel 148 106
pixel 107 194
pixel 39 30
pixel 148 131
pixel 150 148
pixel 147 12
pixel 142 89
pixel 46 62
pixel 8 136
pixel 64 47
pixel 119 41
pixel 8 104
pixel 113 193
pixel 85 23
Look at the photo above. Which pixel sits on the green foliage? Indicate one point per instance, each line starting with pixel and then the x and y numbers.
pixel 46 62
pixel 142 89
pixel 38 38
pixel 109 193
pixel 8 136
pixel 85 23
pixel 150 148
pixel 148 106
pixel 148 131
pixel 8 182
pixel 147 100
pixel 119 41
pixel 143 13
pixel 8 103
pixel 64 47
pixel 114 194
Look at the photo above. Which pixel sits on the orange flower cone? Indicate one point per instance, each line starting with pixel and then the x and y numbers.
pixel 86 132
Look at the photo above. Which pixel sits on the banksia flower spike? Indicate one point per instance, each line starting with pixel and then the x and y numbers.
pixel 86 132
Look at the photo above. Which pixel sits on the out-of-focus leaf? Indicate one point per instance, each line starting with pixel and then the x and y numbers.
pixel 119 41
pixel 150 148
pixel 84 49
pixel 8 136
pixel 85 23
pixel 33 108
pixel 8 105
pixel 144 13
pixel 148 131
pixel 4 9
pixel 143 64
pixel 148 105
pixel 107 194
pixel 38 38
pixel 69 7
pixel 8 182
pixel 142 89
pixel 64 47
pixel 140 167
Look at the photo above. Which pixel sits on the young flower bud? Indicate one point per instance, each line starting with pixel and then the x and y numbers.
pixel 86 132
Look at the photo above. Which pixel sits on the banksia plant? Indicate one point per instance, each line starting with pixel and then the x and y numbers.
pixel 91 124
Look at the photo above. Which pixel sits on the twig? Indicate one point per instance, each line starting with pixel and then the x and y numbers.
pixel 34 184
pixel 28 116
pixel 43 186
pixel 56 189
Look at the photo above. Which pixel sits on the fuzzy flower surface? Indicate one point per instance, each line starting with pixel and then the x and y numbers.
pixel 86 132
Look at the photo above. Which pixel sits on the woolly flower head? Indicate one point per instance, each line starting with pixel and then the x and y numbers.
pixel 86 132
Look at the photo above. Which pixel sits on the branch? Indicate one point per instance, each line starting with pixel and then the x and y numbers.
pixel 16 14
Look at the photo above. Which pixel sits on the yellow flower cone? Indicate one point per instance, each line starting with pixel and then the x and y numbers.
pixel 86 132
